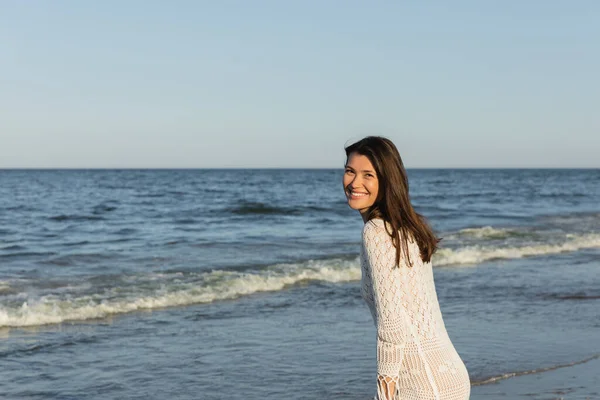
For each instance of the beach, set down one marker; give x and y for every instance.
(214, 284)
(579, 381)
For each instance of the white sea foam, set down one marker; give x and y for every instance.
(483, 232)
(204, 288)
(478, 254)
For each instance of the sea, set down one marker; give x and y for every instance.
(244, 283)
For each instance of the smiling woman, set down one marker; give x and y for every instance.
(415, 358)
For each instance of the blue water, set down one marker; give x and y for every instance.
(214, 284)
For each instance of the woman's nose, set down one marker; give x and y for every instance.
(356, 181)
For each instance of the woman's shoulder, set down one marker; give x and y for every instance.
(374, 224)
(374, 227)
(378, 227)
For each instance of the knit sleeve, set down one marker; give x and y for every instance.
(387, 295)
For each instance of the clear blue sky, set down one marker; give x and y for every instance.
(288, 83)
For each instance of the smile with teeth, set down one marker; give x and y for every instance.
(357, 194)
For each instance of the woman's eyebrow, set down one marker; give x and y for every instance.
(364, 170)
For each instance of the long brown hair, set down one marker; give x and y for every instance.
(393, 201)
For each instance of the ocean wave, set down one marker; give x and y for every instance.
(103, 208)
(77, 259)
(126, 231)
(13, 247)
(261, 209)
(173, 290)
(485, 232)
(574, 296)
(106, 296)
(28, 254)
(258, 208)
(63, 217)
(78, 243)
(150, 195)
(477, 254)
(5, 288)
(48, 347)
(185, 221)
(562, 195)
(575, 218)
(492, 233)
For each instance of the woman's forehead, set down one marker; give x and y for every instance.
(359, 162)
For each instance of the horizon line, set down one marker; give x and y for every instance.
(259, 168)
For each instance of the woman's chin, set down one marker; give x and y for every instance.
(357, 205)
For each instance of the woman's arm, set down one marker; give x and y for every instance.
(388, 296)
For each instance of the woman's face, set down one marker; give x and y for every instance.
(361, 184)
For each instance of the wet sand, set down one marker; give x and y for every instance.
(577, 382)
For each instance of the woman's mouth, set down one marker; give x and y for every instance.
(357, 195)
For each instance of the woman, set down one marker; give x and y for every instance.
(415, 357)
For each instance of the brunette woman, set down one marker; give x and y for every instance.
(415, 357)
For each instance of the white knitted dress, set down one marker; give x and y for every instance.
(413, 347)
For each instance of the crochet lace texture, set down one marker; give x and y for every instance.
(415, 357)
